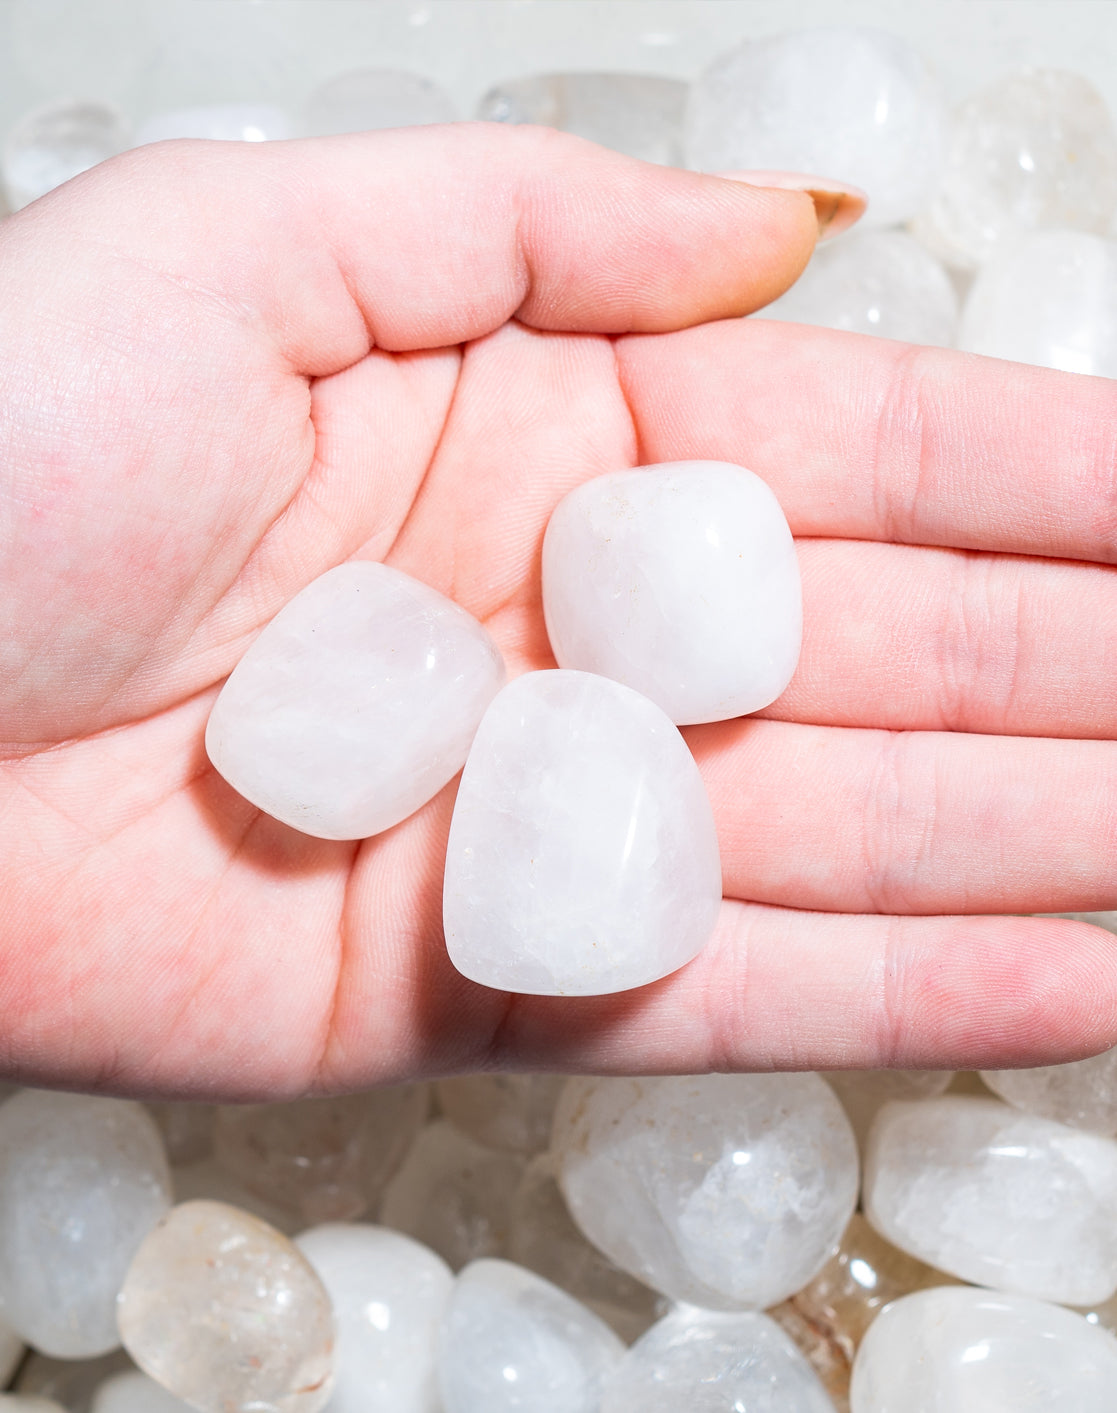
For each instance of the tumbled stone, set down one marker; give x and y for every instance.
(638, 114)
(363, 100)
(582, 856)
(226, 1313)
(513, 1343)
(862, 1093)
(855, 105)
(508, 1111)
(82, 1181)
(54, 143)
(956, 1350)
(679, 580)
(1082, 1093)
(225, 122)
(133, 1392)
(356, 704)
(388, 1294)
(725, 1191)
(996, 1197)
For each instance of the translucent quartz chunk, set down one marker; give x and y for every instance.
(133, 1392)
(364, 99)
(187, 1130)
(508, 1111)
(356, 704)
(955, 1350)
(704, 1361)
(874, 282)
(638, 114)
(388, 1295)
(996, 1197)
(1082, 1093)
(726, 1191)
(453, 1195)
(512, 1341)
(71, 1382)
(224, 122)
(679, 580)
(322, 1159)
(544, 1238)
(226, 1313)
(1034, 150)
(1048, 298)
(54, 143)
(855, 105)
(863, 1092)
(82, 1181)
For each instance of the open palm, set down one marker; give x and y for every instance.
(227, 369)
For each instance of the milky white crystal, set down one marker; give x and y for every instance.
(223, 122)
(356, 703)
(863, 1092)
(512, 1342)
(227, 1314)
(52, 144)
(82, 1181)
(134, 1392)
(365, 99)
(510, 1111)
(956, 1350)
(706, 1361)
(1082, 1093)
(388, 1294)
(997, 1197)
(679, 580)
(854, 105)
(582, 856)
(725, 1191)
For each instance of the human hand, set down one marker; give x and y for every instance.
(226, 370)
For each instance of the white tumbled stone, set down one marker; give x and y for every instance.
(228, 122)
(54, 143)
(356, 704)
(724, 1191)
(956, 1350)
(82, 1182)
(679, 580)
(512, 1342)
(508, 1111)
(388, 1295)
(134, 1392)
(996, 1196)
(582, 856)
(707, 1361)
(1082, 1093)
(854, 105)
(362, 100)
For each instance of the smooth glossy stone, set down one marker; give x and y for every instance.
(453, 1195)
(226, 1313)
(854, 105)
(133, 1392)
(955, 1350)
(82, 1181)
(1034, 150)
(512, 1342)
(725, 1191)
(388, 1294)
(1082, 1094)
(862, 1093)
(1048, 298)
(366, 99)
(874, 282)
(679, 580)
(356, 704)
(187, 1130)
(227, 122)
(706, 1361)
(638, 114)
(513, 1112)
(996, 1197)
(54, 143)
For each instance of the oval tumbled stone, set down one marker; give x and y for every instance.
(356, 704)
(679, 580)
(582, 856)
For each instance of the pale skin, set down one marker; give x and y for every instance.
(227, 368)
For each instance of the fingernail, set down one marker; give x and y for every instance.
(837, 204)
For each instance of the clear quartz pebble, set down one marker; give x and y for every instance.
(1048, 298)
(874, 282)
(388, 1294)
(854, 105)
(997, 1197)
(82, 1181)
(679, 580)
(707, 1361)
(509, 1111)
(1034, 150)
(1082, 1093)
(512, 1342)
(221, 122)
(51, 144)
(638, 114)
(321, 1159)
(362, 100)
(725, 1191)
(862, 1093)
(356, 704)
(956, 1350)
(582, 856)
(227, 1314)
(134, 1392)
(453, 1195)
